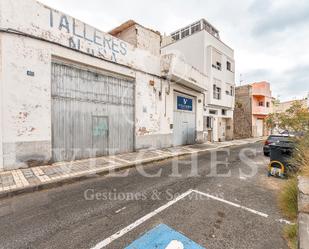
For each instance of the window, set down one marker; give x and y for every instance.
(185, 32)
(267, 104)
(176, 36)
(209, 123)
(232, 90)
(218, 65)
(216, 59)
(223, 112)
(214, 112)
(261, 103)
(216, 92)
(229, 66)
(195, 27)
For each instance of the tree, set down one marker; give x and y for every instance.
(295, 119)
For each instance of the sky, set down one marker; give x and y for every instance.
(270, 38)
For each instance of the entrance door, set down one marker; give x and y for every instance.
(184, 119)
(259, 127)
(185, 133)
(100, 129)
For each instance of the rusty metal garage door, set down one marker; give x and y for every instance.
(92, 113)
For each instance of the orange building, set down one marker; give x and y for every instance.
(253, 103)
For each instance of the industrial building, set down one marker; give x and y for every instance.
(71, 91)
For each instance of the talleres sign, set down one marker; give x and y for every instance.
(101, 44)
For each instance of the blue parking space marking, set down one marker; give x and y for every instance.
(163, 237)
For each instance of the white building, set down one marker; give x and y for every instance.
(199, 44)
(70, 91)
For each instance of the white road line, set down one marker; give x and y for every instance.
(231, 203)
(119, 210)
(138, 222)
(285, 221)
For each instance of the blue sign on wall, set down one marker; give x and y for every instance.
(184, 103)
(163, 237)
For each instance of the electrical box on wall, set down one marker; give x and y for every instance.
(30, 73)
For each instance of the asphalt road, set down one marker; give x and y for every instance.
(239, 211)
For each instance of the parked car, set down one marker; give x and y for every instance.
(273, 139)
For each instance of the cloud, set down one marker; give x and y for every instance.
(290, 84)
(279, 19)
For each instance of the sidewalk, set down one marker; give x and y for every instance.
(35, 178)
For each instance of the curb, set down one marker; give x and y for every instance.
(100, 172)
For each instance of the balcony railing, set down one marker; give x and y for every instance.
(176, 69)
(261, 92)
(261, 110)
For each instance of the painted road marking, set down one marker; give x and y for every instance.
(138, 222)
(175, 244)
(231, 203)
(119, 210)
(130, 227)
(163, 237)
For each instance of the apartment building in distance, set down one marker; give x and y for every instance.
(253, 103)
(280, 107)
(200, 45)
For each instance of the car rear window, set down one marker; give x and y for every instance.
(278, 138)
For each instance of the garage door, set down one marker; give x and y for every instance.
(184, 119)
(92, 113)
(259, 127)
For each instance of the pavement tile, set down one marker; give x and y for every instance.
(10, 180)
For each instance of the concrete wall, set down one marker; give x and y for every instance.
(25, 79)
(153, 113)
(1, 105)
(303, 212)
(243, 112)
(141, 37)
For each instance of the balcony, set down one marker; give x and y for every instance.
(261, 110)
(176, 69)
(265, 92)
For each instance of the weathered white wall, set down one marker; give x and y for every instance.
(52, 25)
(148, 40)
(26, 99)
(190, 49)
(1, 105)
(197, 50)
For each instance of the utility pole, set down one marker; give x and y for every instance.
(240, 79)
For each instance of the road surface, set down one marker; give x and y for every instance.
(229, 210)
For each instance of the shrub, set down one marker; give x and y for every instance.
(300, 159)
(290, 234)
(288, 198)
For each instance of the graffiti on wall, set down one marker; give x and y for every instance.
(100, 44)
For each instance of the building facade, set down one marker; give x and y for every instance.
(199, 44)
(280, 107)
(71, 91)
(253, 103)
